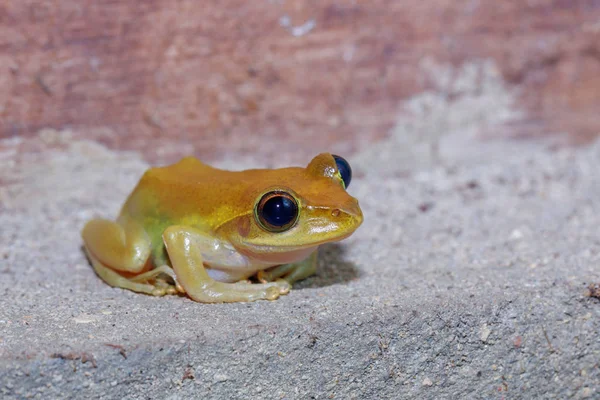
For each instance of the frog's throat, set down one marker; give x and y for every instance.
(275, 256)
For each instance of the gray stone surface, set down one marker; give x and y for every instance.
(467, 280)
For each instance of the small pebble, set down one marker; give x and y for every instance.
(485, 333)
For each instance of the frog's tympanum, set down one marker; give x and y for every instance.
(190, 228)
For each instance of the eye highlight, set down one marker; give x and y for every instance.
(276, 211)
(344, 168)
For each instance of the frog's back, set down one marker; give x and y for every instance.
(192, 193)
(173, 192)
(188, 170)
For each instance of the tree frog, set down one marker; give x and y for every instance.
(194, 229)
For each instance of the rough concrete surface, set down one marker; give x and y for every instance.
(467, 279)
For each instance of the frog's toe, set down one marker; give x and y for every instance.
(171, 290)
(272, 293)
(168, 288)
(159, 291)
(283, 285)
(179, 288)
(263, 291)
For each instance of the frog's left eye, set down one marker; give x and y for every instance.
(344, 168)
(277, 211)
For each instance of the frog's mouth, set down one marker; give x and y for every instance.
(283, 254)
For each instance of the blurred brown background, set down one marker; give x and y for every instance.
(210, 77)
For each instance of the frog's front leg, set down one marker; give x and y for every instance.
(184, 245)
(293, 272)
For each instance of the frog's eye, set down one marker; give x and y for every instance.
(344, 168)
(276, 211)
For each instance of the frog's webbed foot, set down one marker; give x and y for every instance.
(290, 272)
(165, 286)
(158, 275)
(183, 246)
(113, 278)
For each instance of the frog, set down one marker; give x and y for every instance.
(220, 236)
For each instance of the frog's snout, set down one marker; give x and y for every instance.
(351, 210)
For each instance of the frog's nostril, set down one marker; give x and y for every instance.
(352, 208)
(335, 213)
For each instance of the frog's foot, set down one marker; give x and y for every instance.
(283, 285)
(162, 284)
(290, 272)
(184, 246)
(157, 275)
(114, 279)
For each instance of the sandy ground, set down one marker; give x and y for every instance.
(467, 280)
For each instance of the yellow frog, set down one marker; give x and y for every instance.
(190, 228)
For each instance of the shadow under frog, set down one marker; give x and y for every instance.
(332, 269)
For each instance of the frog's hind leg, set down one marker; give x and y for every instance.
(124, 247)
(114, 279)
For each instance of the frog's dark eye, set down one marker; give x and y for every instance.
(277, 211)
(344, 167)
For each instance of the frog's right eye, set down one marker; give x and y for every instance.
(344, 169)
(276, 211)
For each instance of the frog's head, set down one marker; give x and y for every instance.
(291, 211)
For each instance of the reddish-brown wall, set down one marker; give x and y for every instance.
(226, 75)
